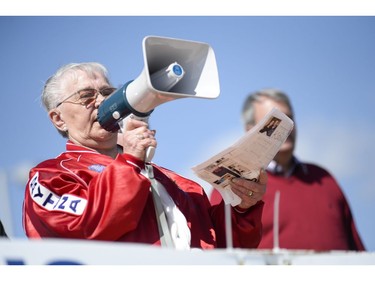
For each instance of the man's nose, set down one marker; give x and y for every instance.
(99, 99)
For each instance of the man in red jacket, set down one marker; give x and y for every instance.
(95, 191)
(313, 213)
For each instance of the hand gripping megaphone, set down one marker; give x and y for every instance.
(173, 69)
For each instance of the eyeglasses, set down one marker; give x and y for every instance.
(87, 97)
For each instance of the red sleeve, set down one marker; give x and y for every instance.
(246, 227)
(215, 197)
(73, 206)
(355, 241)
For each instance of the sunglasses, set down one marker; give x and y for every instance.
(87, 97)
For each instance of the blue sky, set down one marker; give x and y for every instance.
(325, 64)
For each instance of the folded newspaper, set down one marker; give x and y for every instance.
(251, 153)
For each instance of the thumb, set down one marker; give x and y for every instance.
(263, 177)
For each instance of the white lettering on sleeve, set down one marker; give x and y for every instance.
(47, 199)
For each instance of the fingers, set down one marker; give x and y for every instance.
(145, 135)
(263, 177)
(139, 129)
(247, 190)
(136, 138)
(132, 124)
(250, 191)
(137, 134)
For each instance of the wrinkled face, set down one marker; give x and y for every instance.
(264, 106)
(80, 120)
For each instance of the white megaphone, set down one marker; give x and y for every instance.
(173, 69)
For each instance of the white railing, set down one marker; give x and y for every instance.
(64, 251)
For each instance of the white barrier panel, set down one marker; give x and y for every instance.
(80, 252)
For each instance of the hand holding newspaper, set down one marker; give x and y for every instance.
(251, 153)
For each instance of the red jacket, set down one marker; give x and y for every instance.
(82, 194)
(313, 212)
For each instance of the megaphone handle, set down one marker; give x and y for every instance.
(150, 152)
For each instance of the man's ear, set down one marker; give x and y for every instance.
(57, 120)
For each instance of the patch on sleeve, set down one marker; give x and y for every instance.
(97, 168)
(47, 199)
